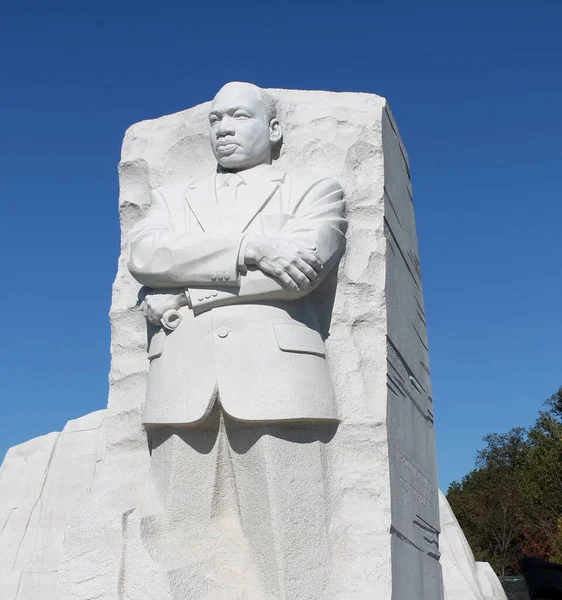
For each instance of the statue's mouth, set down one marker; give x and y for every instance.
(227, 147)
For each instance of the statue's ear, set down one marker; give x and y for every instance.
(275, 131)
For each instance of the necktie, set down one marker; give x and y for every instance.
(227, 196)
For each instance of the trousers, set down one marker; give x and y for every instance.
(245, 508)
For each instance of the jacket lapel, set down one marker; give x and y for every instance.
(202, 200)
(262, 189)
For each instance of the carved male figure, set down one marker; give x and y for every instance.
(246, 245)
(244, 375)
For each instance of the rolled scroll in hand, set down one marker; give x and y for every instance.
(171, 319)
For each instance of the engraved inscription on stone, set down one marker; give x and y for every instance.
(414, 482)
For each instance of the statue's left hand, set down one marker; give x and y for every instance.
(155, 304)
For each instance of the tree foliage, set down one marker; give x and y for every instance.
(510, 505)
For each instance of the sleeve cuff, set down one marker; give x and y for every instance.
(242, 255)
(188, 296)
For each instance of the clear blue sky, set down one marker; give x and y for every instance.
(476, 89)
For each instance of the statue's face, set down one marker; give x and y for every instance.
(241, 137)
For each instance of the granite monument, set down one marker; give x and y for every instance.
(269, 429)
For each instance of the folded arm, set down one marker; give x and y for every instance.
(318, 221)
(161, 257)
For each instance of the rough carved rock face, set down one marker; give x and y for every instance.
(44, 480)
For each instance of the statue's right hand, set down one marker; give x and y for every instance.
(156, 304)
(295, 265)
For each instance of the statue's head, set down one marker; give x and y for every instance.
(244, 126)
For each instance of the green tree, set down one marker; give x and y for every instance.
(541, 483)
(486, 502)
(510, 505)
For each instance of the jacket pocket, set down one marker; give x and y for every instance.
(156, 345)
(292, 337)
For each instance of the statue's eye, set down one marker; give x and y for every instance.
(240, 114)
(213, 119)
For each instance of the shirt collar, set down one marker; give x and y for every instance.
(247, 176)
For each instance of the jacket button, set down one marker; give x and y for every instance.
(222, 332)
(208, 295)
(213, 276)
(215, 293)
(200, 297)
(227, 276)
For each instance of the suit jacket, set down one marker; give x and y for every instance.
(246, 335)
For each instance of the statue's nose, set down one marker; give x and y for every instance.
(226, 127)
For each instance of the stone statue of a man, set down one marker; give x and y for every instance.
(239, 404)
